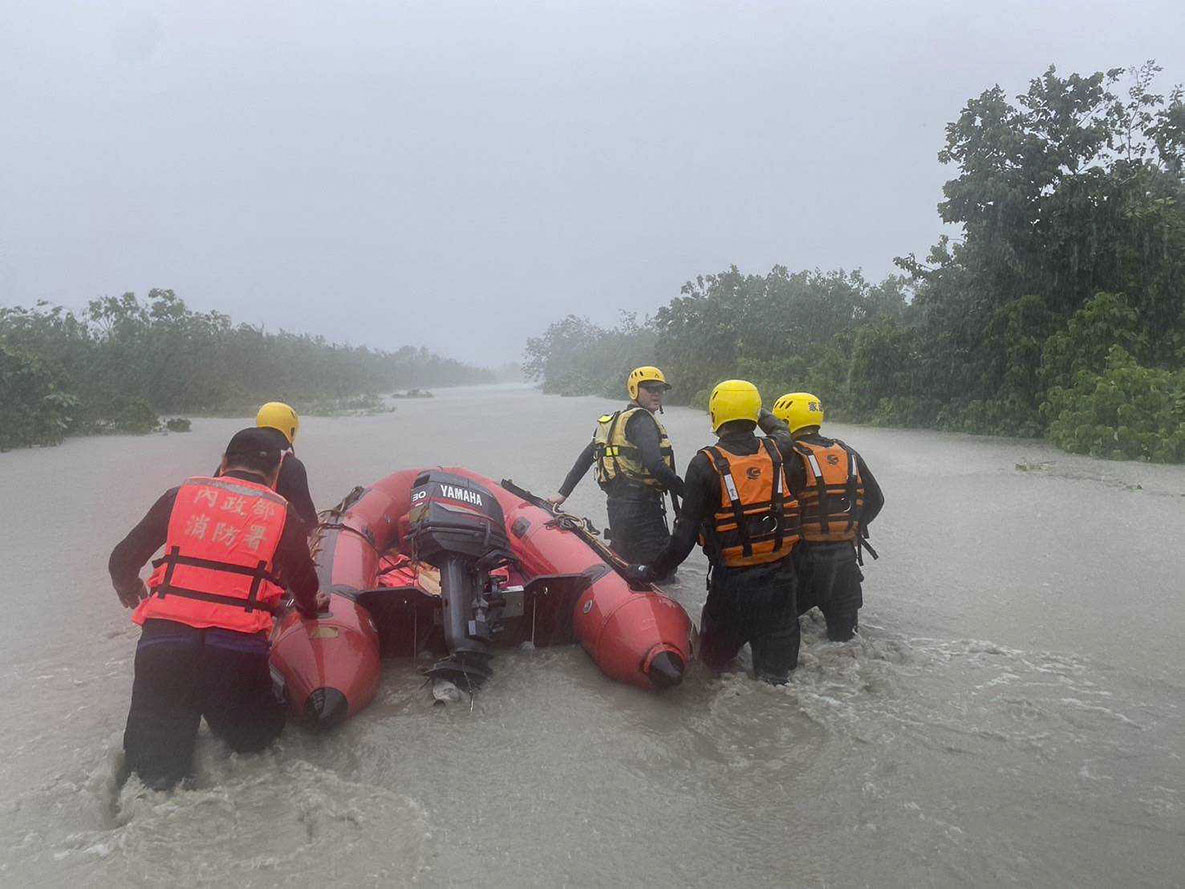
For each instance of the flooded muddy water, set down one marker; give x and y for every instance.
(1010, 715)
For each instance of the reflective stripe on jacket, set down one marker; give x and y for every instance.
(618, 458)
(758, 521)
(217, 570)
(833, 494)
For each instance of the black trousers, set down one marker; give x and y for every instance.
(183, 674)
(756, 605)
(829, 577)
(638, 528)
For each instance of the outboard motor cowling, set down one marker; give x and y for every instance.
(458, 526)
(453, 515)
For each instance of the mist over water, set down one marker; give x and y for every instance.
(1011, 714)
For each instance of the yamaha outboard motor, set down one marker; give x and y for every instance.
(457, 526)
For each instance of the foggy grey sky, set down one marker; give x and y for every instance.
(459, 174)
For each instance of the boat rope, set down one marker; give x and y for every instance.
(365, 535)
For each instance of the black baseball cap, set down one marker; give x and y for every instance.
(255, 444)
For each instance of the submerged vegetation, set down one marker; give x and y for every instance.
(121, 362)
(1059, 311)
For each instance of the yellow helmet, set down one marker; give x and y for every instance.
(277, 415)
(645, 374)
(733, 400)
(799, 410)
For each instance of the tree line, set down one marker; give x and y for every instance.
(123, 361)
(1059, 311)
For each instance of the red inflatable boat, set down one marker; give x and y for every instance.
(445, 560)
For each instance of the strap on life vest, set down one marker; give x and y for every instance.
(720, 462)
(611, 448)
(852, 484)
(820, 488)
(259, 574)
(863, 544)
(778, 500)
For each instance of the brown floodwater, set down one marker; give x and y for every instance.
(1010, 715)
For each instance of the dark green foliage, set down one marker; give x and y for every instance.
(1073, 211)
(125, 413)
(1106, 320)
(575, 357)
(884, 371)
(33, 407)
(177, 424)
(1124, 411)
(1066, 285)
(123, 360)
(779, 328)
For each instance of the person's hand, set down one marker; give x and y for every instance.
(132, 597)
(320, 605)
(556, 500)
(768, 422)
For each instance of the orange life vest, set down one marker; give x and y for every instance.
(217, 569)
(759, 517)
(833, 495)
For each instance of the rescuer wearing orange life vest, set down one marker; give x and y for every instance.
(839, 499)
(232, 545)
(738, 502)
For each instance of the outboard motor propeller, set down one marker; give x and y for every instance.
(458, 526)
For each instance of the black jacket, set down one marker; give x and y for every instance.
(642, 431)
(293, 483)
(292, 561)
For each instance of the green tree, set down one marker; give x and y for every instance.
(1066, 281)
(33, 407)
(117, 365)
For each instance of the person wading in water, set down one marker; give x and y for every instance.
(232, 546)
(635, 466)
(839, 498)
(739, 504)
